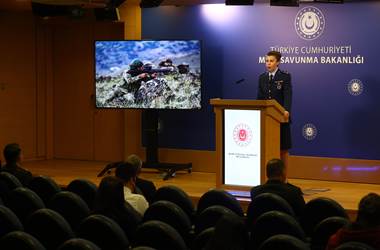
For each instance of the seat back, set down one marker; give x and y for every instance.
(273, 223)
(18, 240)
(210, 216)
(171, 214)
(10, 180)
(319, 209)
(8, 221)
(283, 242)
(177, 196)
(264, 203)
(49, 227)
(143, 248)
(23, 202)
(160, 236)
(230, 233)
(325, 229)
(78, 244)
(219, 197)
(203, 238)
(71, 207)
(352, 245)
(85, 189)
(45, 187)
(104, 232)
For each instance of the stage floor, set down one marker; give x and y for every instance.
(197, 183)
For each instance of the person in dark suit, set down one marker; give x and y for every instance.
(13, 157)
(276, 84)
(147, 188)
(276, 184)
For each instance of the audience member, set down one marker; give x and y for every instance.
(147, 187)
(128, 173)
(13, 158)
(365, 229)
(110, 202)
(277, 184)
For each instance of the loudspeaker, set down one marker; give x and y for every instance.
(239, 2)
(107, 14)
(284, 2)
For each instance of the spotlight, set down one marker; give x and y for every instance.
(239, 2)
(150, 3)
(284, 2)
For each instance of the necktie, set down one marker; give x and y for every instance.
(270, 78)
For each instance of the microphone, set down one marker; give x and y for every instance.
(240, 81)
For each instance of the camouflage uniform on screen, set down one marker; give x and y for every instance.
(132, 79)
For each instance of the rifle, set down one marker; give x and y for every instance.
(150, 70)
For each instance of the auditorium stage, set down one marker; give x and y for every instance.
(197, 183)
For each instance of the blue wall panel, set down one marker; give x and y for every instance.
(234, 37)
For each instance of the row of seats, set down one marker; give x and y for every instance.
(171, 222)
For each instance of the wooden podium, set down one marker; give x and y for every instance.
(269, 115)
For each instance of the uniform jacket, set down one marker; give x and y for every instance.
(279, 89)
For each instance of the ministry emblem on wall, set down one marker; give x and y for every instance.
(309, 23)
(355, 87)
(309, 131)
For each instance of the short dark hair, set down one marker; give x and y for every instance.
(275, 168)
(126, 171)
(12, 152)
(369, 211)
(275, 54)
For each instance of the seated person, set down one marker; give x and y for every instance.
(128, 174)
(366, 228)
(277, 184)
(146, 187)
(110, 201)
(13, 157)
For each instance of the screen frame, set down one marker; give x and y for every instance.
(148, 40)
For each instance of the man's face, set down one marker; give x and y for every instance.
(271, 63)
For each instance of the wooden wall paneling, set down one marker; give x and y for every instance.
(73, 104)
(108, 123)
(18, 82)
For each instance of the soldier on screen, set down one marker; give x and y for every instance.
(135, 76)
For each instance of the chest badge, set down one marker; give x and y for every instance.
(279, 84)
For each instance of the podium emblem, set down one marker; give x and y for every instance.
(309, 131)
(309, 23)
(242, 135)
(355, 87)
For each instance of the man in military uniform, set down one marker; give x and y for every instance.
(134, 76)
(276, 84)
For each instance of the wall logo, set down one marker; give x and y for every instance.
(242, 135)
(355, 87)
(309, 23)
(309, 131)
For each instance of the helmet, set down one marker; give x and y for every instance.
(136, 64)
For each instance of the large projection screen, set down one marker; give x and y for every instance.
(242, 147)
